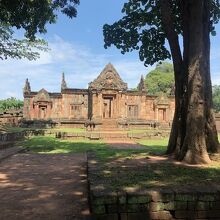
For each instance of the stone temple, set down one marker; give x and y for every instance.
(107, 103)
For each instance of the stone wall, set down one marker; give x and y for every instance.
(198, 203)
(142, 203)
(110, 135)
(8, 139)
(11, 117)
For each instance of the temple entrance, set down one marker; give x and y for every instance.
(42, 112)
(107, 107)
(162, 114)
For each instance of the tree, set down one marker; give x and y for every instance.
(161, 79)
(15, 48)
(146, 26)
(32, 17)
(10, 103)
(216, 98)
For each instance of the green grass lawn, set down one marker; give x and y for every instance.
(113, 169)
(155, 146)
(50, 145)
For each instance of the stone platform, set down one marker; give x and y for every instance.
(116, 135)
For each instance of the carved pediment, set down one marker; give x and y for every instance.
(108, 79)
(162, 100)
(42, 96)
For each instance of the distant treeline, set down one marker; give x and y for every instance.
(10, 103)
(161, 80)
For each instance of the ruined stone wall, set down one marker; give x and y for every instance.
(74, 106)
(11, 117)
(145, 105)
(156, 204)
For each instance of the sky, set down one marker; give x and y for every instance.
(77, 49)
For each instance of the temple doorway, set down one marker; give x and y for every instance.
(107, 107)
(162, 114)
(42, 112)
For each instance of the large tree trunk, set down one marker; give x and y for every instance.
(193, 131)
(201, 134)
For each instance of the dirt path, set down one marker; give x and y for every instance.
(50, 187)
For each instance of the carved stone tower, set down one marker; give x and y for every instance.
(27, 87)
(142, 86)
(63, 83)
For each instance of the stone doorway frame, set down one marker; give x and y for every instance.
(108, 106)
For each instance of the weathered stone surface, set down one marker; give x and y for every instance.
(122, 197)
(185, 214)
(114, 208)
(134, 198)
(98, 209)
(105, 217)
(158, 195)
(139, 216)
(156, 206)
(207, 197)
(133, 208)
(160, 215)
(180, 205)
(99, 197)
(123, 216)
(214, 205)
(198, 205)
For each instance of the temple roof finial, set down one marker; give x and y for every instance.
(27, 87)
(142, 86)
(63, 83)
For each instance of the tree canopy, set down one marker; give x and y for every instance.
(161, 79)
(142, 27)
(216, 98)
(10, 103)
(153, 28)
(32, 17)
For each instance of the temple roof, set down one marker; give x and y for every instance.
(162, 99)
(108, 79)
(42, 95)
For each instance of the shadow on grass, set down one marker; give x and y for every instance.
(51, 145)
(157, 175)
(47, 144)
(121, 175)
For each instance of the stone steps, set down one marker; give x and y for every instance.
(109, 124)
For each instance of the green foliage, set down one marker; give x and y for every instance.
(216, 98)
(141, 28)
(32, 17)
(15, 48)
(48, 144)
(160, 80)
(10, 103)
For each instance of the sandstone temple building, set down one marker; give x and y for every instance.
(106, 103)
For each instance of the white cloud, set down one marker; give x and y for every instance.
(80, 64)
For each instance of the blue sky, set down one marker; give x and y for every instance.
(77, 49)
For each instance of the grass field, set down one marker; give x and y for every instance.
(114, 165)
(50, 145)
